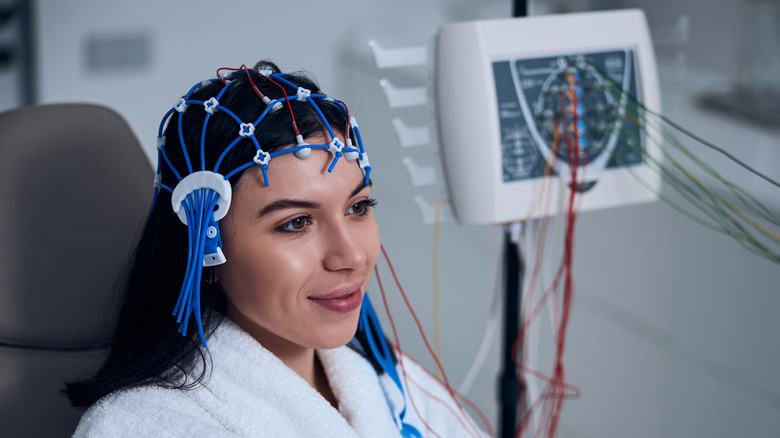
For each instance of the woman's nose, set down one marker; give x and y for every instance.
(344, 248)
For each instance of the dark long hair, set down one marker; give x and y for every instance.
(146, 347)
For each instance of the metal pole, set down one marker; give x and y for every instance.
(511, 387)
(520, 8)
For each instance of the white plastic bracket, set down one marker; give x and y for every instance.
(403, 97)
(428, 211)
(420, 175)
(400, 57)
(335, 146)
(211, 105)
(203, 179)
(411, 136)
(262, 157)
(181, 105)
(214, 258)
(303, 94)
(246, 130)
(364, 161)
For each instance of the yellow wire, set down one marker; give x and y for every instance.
(705, 188)
(436, 289)
(437, 336)
(547, 167)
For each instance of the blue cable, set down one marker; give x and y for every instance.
(268, 108)
(333, 163)
(192, 90)
(192, 260)
(280, 78)
(322, 116)
(359, 139)
(206, 215)
(275, 154)
(369, 324)
(224, 153)
(203, 142)
(178, 310)
(170, 165)
(162, 122)
(239, 169)
(181, 141)
(230, 113)
(362, 151)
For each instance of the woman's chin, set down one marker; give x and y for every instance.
(336, 338)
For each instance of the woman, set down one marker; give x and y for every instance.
(261, 241)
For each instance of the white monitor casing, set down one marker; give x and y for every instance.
(469, 124)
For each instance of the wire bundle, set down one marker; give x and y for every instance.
(545, 407)
(199, 207)
(719, 203)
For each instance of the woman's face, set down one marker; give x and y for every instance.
(299, 252)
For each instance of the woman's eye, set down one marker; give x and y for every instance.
(296, 225)
(361, 208)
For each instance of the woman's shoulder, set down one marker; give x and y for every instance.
(148, 410)
(419, 380)
(428, 397)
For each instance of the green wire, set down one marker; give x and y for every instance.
(719, 212)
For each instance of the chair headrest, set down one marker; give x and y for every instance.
(75, 185)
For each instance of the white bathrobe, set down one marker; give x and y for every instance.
(251, 393)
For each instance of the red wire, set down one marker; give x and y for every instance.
(398, 345)
(559, 373)
(289, 104)
(554, 402)
(460, 397)
(552, 398)
(254, 87)
(530, 316)
(219, 76)
(449, 408)
(247, 70)
(445, 382)
(419, 326)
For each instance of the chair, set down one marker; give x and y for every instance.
(75, 186)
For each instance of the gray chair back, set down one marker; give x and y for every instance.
(75, 186)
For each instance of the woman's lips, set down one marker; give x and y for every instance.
(340, 302)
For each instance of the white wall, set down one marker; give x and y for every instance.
(672, 330)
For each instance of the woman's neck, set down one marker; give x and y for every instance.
(302, 360)
(305, 363)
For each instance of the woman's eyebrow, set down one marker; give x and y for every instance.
(283, 204)
(360, 187)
